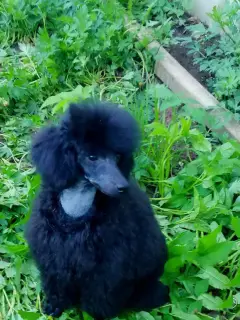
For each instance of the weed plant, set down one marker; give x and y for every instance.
(216, 50)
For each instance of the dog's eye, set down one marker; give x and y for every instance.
(92, 158)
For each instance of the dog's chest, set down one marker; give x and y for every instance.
(77, 200)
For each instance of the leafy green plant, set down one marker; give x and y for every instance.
(50, 47)
(201, 204)
(216, 50)
(160, 15)
(60, 48)
(160, 10)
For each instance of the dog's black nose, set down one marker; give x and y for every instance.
(122, 189)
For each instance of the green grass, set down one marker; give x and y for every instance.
(54, 52)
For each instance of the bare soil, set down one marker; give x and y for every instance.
(182, 55)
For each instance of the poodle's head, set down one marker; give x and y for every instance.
(92, 142)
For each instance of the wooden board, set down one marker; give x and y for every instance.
(181, 82)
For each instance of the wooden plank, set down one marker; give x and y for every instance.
(201, 8)
(181, 82)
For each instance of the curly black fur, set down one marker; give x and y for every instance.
(110, 259)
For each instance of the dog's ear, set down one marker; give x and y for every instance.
(126, 164)
(54, 157)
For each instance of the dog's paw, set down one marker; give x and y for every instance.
(52, 311)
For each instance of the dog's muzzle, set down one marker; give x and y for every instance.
(107, 177)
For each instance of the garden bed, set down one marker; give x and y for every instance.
(183, 83)
(210, 55)
(182, 55)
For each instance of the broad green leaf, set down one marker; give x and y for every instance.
(196, 201)
(209, 240)
(16, 248)
(129, 75)
(29, 315)
(236, 299)
(214, 277)
(165, 309)
(218, 253)
(3, 53)
(168, 317)
(201, 287)
(207, 183)
(177, 201)
(236, 226)
(160, 131)
(54, 99)
(195, 307)
(236, 208)
(198, 29)
(184, 241)
(183, 315)
(2, 282)
(69, 96)
(10, 272)
(210, 302)
(228, 303)
(234, 187)
(186, 125)
(227, 150)
(174, 264)
(18, 265)
(189, 283)
(26, 49)
(174, 130)
(62, 105)
(143, 315)
(235, 282)
(205, 317)
(191, 169)
(199, 142)
(172, 102)
(161, 92)
(17, 317)
(4, 264)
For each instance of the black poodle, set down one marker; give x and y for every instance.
(92, 231)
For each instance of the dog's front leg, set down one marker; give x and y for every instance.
(54, 303)
(50, 308)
